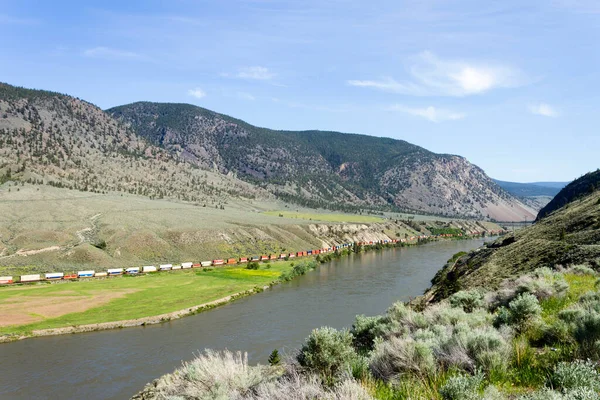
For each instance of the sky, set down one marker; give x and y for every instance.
(513, 86)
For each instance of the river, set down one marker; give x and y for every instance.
(116, 364)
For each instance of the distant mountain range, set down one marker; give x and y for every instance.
(193, 154)
(532, 189)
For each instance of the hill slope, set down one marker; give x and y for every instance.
(66, 142)
(319, 168)
(568, 236)
(574, 190)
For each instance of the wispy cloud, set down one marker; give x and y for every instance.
(544, 109)
(111, 53)
(256, 73)
(432, 76)
(197, 93)
(431, 113)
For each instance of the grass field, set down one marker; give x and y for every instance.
(325, 217)
(126, 297)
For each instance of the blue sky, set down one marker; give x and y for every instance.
(511, 85)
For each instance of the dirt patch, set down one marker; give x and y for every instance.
(32, 252)
(19, 310)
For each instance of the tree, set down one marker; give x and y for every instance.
(274, 358)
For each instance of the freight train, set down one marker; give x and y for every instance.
(55, 276)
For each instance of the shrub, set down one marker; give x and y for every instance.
(213, 374)
(327, 352)
(586, 332)
(581, 270)
(520, 312)
(525, 307)
(393, 358)
(468, 300)
(462, 387)
(365, 330)
(576, 374)
(252, 265)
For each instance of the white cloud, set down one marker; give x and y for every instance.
(256, 73)
(245, 96)
(543, 109)
(431, 113)
(432, 76)
(197, 93)
(110, 53)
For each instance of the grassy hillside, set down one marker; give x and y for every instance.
(568, 236)
(324, 169)
(574, 190)
(43, 228)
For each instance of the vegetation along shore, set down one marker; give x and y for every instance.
(131, 300)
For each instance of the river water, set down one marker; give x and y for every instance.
(116, 364)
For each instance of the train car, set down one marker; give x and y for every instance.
(243, 260)
(231, 261)
(86, 274)
(308, 253)
(31, 278)
(299, 254)
(187, 265)
(218, 262)
(148, 268)
(255, 259)
(166, 267)
(70, 276)
(264, 258)
(54, 275)
(5, 280)
(176, 266)
(101, 274)
(134, 270)
(114, 271)
(206, 263)
(282, 256)
(196, 265)
(291, 255)
(273, 257)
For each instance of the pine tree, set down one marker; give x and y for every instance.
(274, 358)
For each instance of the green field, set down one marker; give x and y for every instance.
(144, 295)
(325, 217)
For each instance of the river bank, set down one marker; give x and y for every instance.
(104, 316)
(68, 366)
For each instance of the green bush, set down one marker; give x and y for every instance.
(468, 300)
(462, 387)
(521, 311)
(328, 352)
(365, 330)
(252, 265)
(576, 374)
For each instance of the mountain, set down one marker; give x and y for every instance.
(51, 138)
(324, 169)
(574, 190)
(568, 236)
(532, 189)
